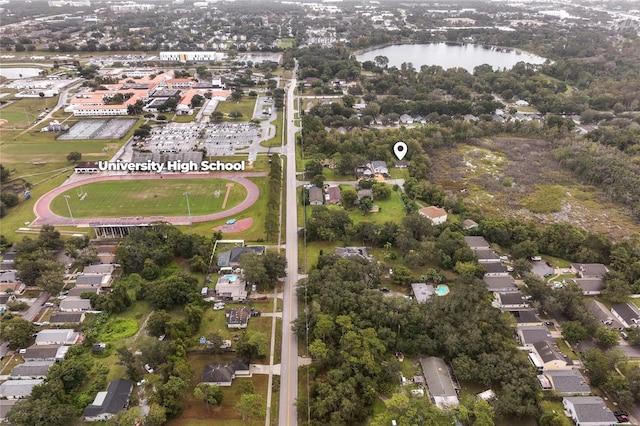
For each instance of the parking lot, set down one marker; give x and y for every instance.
(218, 139)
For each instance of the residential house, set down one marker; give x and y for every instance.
(231, 287)
(110, 402)
(485, 255)
(494, 268)
(568, 382)
(627, 313)
(589, 270)
(422, 291)
(588, 411)
(442, 389)
(31, 370)
(589, 286)
(17, 389)
(353, 252)
(511, 299)
(100, 268)
(77, 291)
(379, 168)
(603, 314)
(406, 119)
(552, 358)
(468, 224)
(316, 197)
(94, 280)
(232, 257)
(5, 407)
(533, 334)
(401, 164)
(476, 242)
(223, 374)
(8, 277)
(45, 353)
(525, 317)
(67, 318)
(364, 193)
(238, 317)
(436, 215)
(333, 195)
(75, 305)
(363, 172)
(500, 283)
(64, 336)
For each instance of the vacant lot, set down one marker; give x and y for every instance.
(149, 198)
(518, 177)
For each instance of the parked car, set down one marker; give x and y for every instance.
(384, 289)
(536, 258)
(218, 306)
(621, 416)
(148, 368)
(624, 335)
(549, 323)
(549, 264)
(504, 258)
(231, 221)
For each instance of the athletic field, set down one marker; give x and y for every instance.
(157, 197)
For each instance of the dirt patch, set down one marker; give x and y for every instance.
(239, 226)
(3, 122)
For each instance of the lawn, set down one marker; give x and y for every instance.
(391, 210)
(278, 137)
(257, 212)
(245, 106)
(148, 198)
(21, 113)
(117, 329)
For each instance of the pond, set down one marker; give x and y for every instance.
(16, 73)
(467, 56)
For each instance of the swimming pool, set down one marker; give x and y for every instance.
(442, 290)
(231, 277)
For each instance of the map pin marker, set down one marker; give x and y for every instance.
(400, 150)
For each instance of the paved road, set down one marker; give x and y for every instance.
(289, 365)
(44, 215)
(33, 310)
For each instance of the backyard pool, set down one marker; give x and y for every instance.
(231, 277)
(442, 290)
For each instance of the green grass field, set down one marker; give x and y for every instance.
(148, 198)
(22, 112)
(245, 106)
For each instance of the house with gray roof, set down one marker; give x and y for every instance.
(64, 336)
(353, 252)
(75, 305)
(8, 277)
(67, 318)
(5, 406)
(110, 402)
(100, 268)
(78, 291)
(588, 411)
(45, 353)
(476, 242)
(589, 286)
(223, 374)
(232, 257)
(589, 270)
(31, 370)
(96, 280)
(422, 291)
(231, 287)
(552, 358)
(442, 389)
(533, 334)
(511, 299)
(316, 197)
(500, 283)
(379, 167)
(238, 317)
(603, 314)
(17, 389)
(525, 316)
(627, 313)
(495, 268)
(568, 382)
(486, 255)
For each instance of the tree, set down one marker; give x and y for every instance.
(365, 205)
(275, 264)
(607, 336)
(349, 197)
(52, 279)
(574, 332)
(253, 269)
(17, 332)
(253, 345)
(312, 168)
(158, 322)
(74, 156)
(209, 393)
(555, 419)
(251, 407)
(381, 191)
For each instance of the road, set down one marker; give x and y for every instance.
(289, 368)
(31, 313)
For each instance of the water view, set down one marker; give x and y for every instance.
(16, 73)
(466, 56)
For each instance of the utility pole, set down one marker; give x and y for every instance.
(66, 199)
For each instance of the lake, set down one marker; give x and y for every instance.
(466, 56)
(16, 73)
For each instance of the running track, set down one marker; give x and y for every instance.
(44, 215)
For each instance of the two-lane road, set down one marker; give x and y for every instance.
(289, 369)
